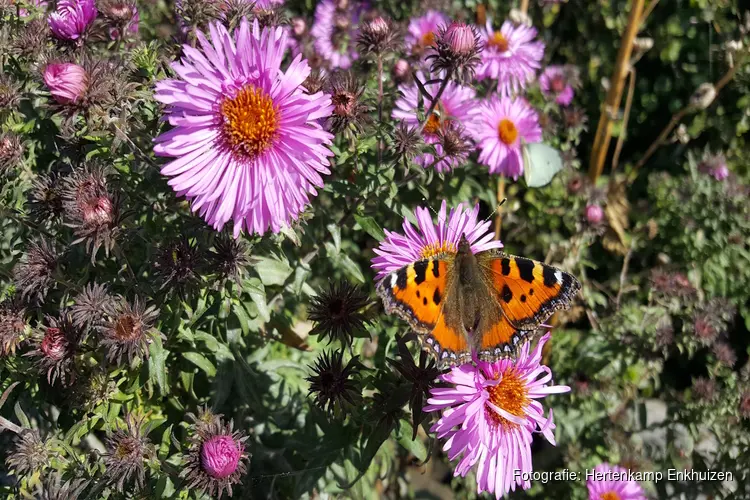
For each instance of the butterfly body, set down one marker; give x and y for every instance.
(488, 303)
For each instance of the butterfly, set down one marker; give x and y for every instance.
(489, 302)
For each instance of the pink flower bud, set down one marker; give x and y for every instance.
(54, 344)
(220, 456)
(71, 18)
(401, 69)
(720, 172)
(379, 26)
(461, 39)
(67, 82)
(299, 25)
(594, 214)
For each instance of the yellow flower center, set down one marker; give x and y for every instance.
(434, 249)
(428, 39)
(251, 121)
(510, 395)
(507, 131)
(610, 495)
(498, 42)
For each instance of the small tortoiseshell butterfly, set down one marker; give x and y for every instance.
(488, 302)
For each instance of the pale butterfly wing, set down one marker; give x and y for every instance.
(540, 164)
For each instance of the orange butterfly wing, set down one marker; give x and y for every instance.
(418, 294)
(528, 291)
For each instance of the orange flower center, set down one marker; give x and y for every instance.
(610, 495)
(428, 39)
(434, 249)
(498, 42)
(126, 328)
(251, 121)
(433, 124)
(507, 131)
(510, 395)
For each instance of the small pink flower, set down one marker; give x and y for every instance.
(71, 18)
(67, 82)
(461, 38)
(299, 26)
(594, 214)
(401, 70)
(611, 482)
(500, 127)
(554, 82)
(220, 456)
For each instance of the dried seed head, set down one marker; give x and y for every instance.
(12, 326)
(10, 93)
(31, 454)
(335, 387)
(376, 36)
(45, 198)
(128, 450)
(178, 263)
(338, 312)
(349, 110)
(89, 306)
(725, 354)
(230, 258)
(11, 152)
(315, 82)
(128, 330)
(705, 389)
(34, 275)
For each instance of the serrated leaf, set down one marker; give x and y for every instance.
(370, 226)
(201, 362)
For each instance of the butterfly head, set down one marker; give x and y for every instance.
(464, 247)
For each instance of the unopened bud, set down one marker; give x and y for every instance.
(703, 96)
(299, 25)
(460, 37)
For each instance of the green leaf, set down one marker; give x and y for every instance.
(351, 268)
(370, 226)
(415, 446)
(257, 293)
(157, 367)
(201, 362)
(335, 231)
(272, 271)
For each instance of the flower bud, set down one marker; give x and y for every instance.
(220, 456)
(461, 39)
(67, 82)
(299, 26)
(594, 214)
(54, 345)
(71, 18)
(401, 70)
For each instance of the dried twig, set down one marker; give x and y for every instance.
(623, 276)
(624, 126)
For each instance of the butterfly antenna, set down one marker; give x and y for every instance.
(502, 202)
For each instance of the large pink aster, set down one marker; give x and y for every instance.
(490, 414)
(335, 32)
(430, 238)
(71, 18)
(511, 56)
(423, 30)
(246, 137)
(611, 482)
(500, 126)
(454, 109)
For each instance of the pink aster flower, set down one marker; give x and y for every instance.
(554, 83)
(454, 109)
(335, 32)
(611, 482)
(71, 18)
(714, 165)
(423, 30)
(490, 414)
(246, 137)
(67, 82)
(430, 238)
(499, 127)
(511, 56)
(220, 456)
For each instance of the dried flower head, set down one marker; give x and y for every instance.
(230, 258)
(349, 110)
(267, 17)
(315, 82)
(31, 454)
(32, 40)
(407, 143)
(127, 331)
(422, 377)
(121, 17)
(12, 326)
(338, 312)
(335, 386)
(376, 36)
(455, 142)
(456, 51)
(725, 354)
(90, 209)
(89, 306)
(92, 390)
(195, 15)
(128, 449)
(10, 93)
(216, 458)
(11, 152)
(55, 346)
(705, 389)
(177, 264)
(671, 284)
(45, 199)
(53, 488)
(34, 275)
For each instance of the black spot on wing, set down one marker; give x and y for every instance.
(523, 298)
(548, 273)
(420, 271)
(401, 278)
(506, 294)
(436, 268)
(531, 291)
(418, 295)
(505, 266)
(525, 269)
(424, 301)
(436, 297)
